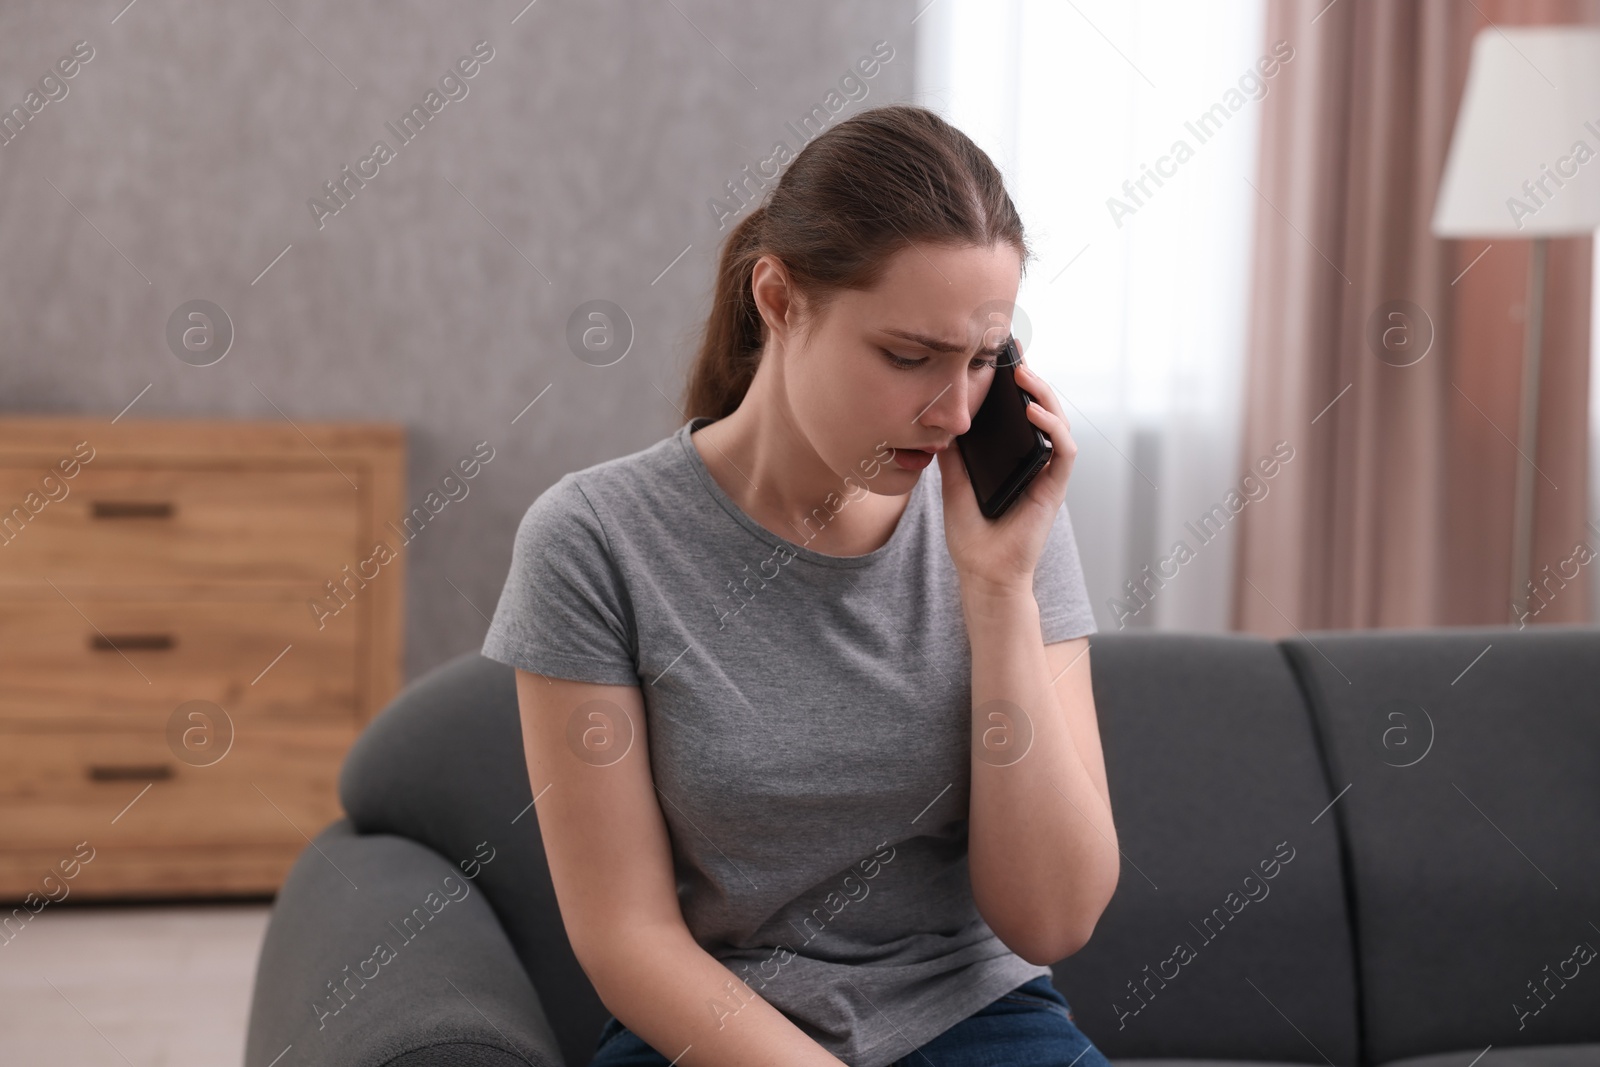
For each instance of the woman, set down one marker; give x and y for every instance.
(814, 751)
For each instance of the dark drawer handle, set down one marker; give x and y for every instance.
(122, 642)
(131, 509)
(106, 772)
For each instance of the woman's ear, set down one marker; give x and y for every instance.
(775, 297)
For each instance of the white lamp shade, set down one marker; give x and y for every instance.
(1525, 157)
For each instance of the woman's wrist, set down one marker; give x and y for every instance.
(987, 600)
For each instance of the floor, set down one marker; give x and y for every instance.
(148, 985)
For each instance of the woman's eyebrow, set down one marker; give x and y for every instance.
(934, 344)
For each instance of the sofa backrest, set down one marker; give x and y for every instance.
(1468, 761)
(1228, 936)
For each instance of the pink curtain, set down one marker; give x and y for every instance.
(1396, 510)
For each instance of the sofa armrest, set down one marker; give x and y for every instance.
(380, 952)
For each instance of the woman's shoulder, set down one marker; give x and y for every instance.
(613, 490)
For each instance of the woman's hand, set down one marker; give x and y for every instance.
(998, 556)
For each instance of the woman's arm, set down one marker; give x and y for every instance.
(1042, 848)
(610, 860)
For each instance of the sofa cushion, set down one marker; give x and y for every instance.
(1219, 797)
(1534, 1056)
(1469, 764)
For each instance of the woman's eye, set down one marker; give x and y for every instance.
(898, 361)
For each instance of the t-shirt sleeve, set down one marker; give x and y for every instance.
(564, 610)
(1064, 608)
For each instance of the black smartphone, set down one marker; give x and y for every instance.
(1003, 450)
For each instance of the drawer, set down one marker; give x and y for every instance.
(61, 671)
(59, 789)
(150, 525)
(118, 874)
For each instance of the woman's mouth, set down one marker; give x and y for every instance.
(912, 459)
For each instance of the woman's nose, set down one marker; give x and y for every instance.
(951, 411)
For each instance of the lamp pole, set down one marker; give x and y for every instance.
(1528, 432)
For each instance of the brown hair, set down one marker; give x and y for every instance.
(859, 192)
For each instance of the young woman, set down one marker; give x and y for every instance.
(812, 741)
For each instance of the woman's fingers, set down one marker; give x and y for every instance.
(1041, 391)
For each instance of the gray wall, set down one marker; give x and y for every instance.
(194, 138)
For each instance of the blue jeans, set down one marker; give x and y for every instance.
(1031, 1026)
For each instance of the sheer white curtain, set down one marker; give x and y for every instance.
(1137, 317)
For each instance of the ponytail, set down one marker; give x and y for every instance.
(734, 333)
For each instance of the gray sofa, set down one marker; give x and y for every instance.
(1346, 848)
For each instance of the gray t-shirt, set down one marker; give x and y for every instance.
(809, 722)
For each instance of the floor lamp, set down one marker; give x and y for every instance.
(1524, 162)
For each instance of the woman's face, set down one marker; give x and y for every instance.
(867, 375)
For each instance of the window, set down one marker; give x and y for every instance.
(1138, 312)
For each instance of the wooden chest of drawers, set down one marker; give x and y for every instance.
(193, 629)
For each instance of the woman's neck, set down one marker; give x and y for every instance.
(770, 470)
